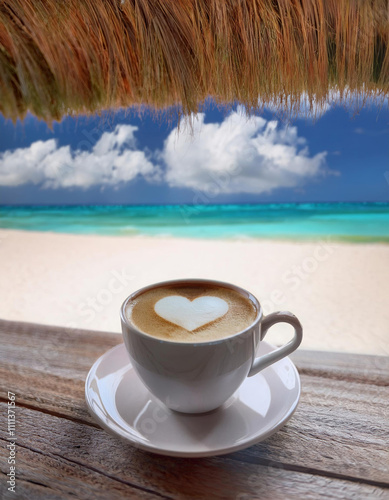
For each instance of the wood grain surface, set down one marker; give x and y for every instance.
(335, 446)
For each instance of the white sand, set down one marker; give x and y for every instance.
(340, 292)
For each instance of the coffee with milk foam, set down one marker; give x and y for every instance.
(191, 312)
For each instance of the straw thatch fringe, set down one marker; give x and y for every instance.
(73, 56)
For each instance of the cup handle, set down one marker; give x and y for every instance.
(270, 358)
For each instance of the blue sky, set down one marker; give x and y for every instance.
(121, 158)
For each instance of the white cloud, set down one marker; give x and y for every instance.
(239, 155)
(112, 160)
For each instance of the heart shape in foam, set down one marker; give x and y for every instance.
(191, 314)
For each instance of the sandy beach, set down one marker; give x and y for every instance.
(339, 291)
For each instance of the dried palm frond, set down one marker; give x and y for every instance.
(84, 56)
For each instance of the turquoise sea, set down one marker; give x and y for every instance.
(358, 222)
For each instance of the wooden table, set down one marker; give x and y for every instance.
(335, 446)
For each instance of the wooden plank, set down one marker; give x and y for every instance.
(60, 351)
(56, 455)
(50, 393)
(51, 348)
(366, 369)
(46, 366)
(340, 427)
(352, 415)
(32, 490)
(41, 475)
(343, 434)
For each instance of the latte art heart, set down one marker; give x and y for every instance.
(191, 314)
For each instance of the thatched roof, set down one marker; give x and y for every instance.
(79, 56)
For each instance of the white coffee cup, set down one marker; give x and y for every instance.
(200, 376)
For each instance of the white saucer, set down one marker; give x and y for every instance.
(122, 405)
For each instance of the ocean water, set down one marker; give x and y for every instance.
(361, 222)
